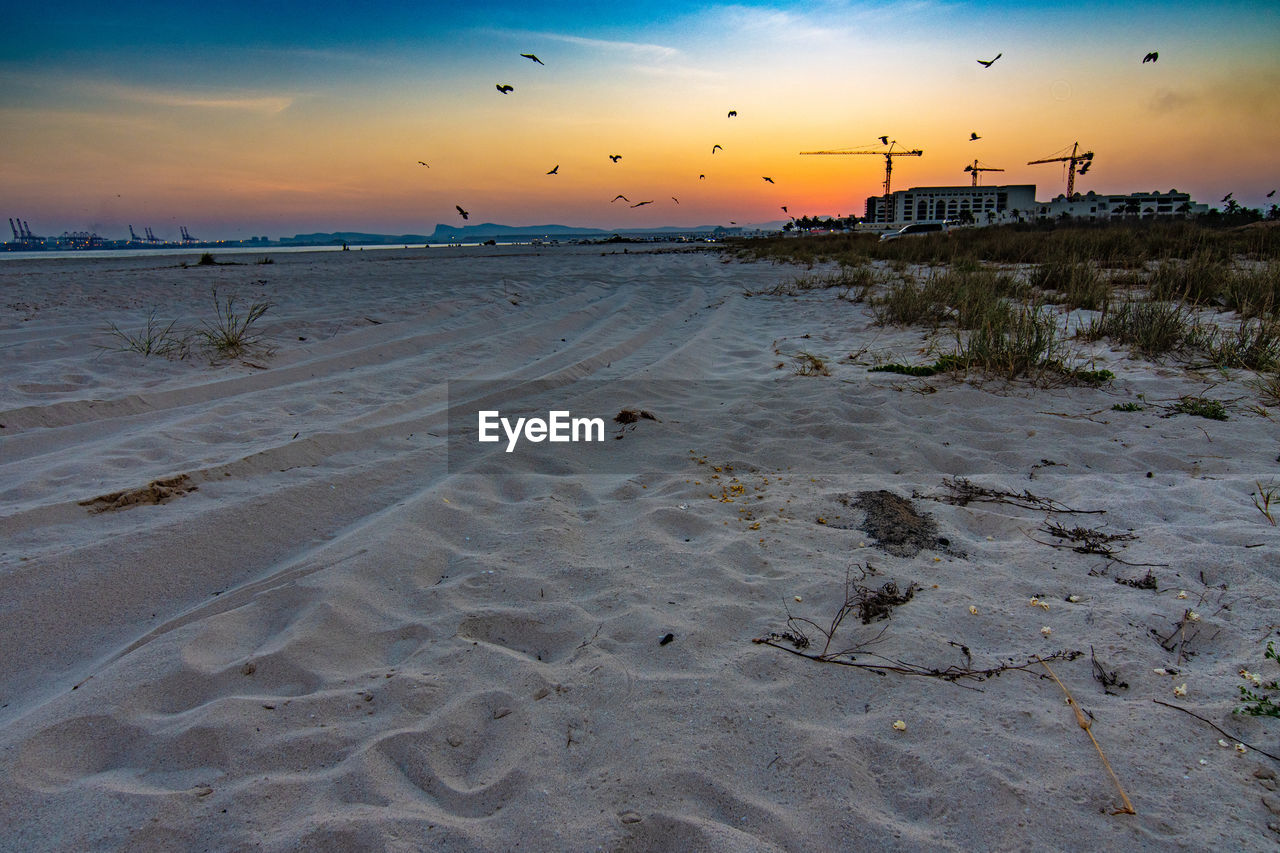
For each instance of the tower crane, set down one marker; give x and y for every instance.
(888, 166)
(975, 168)
(1073, 160)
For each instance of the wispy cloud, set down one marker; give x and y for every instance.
(633, 48)
(247, 102)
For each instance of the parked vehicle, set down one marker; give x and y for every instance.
(917, 229)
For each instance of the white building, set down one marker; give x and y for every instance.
(1102, 208)
(987, 205)
(1016, 203)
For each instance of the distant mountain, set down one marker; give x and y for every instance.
(336, 237)
(485, 230)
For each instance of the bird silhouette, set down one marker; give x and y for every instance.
(464, 214)
(702, 177)
(884, 140)
(1151, 57)
(1270, 194)
(733, 113)
(534, 58)
(676, 200)
(768, 180)
(504, 88)
(420, 163)
(620, 196)
(973, 136)
(642, 203)
(615, 157)
(554, 171)
(784, 209)
(986, 63)
(714, 147)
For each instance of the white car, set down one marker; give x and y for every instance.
(917, 229)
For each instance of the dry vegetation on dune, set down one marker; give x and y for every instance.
(1207, 296)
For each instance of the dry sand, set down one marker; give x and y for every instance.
(301, 619)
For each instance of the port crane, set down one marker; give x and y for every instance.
(186, 235)
(888, 166)
(1077, 163)
(975, 168)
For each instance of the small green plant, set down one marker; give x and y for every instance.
(1260, 696)
(1127, 407)
(207, 260)
(1264, 498)
(266, 260)
(231, 334)
(154, 338)
(1151, 328)
(1201, 407)
(808, 364)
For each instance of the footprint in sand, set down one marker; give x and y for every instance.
(468, 759)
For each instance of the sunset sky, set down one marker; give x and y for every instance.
(239, 119)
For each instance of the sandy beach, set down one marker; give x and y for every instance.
(312, 611)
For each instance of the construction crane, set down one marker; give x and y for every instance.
(975, 168)
(888, 167)
(1074, 159)
(133, 238)
(186, 235)
(17, 238)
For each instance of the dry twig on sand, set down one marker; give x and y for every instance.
(1085, 723)
(963, 492)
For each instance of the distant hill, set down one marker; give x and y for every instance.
(486, 230)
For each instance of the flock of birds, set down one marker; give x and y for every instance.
(507, 89)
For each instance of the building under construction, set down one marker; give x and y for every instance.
(1017, 203)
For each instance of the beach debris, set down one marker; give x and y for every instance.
(973, 611)
(155, 492)
(985, 63)
(899, 726)
(666, 639)
(1106, 679)
(895, 524)
(1180, 690)
(631, 416)
(534, 58)
(1046, 630)
(1074, 599)
(1087, 724)
(1182, 594)
(1036, 602)
(963, 492)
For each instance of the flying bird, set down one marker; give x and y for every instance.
(733, 113)
(464, 214)
(1270, 194)
(554, 171)
(784, 209)
(676, 200)
(714, 147)
(986, 63)
(884, 140)
(420, 163)
(534, 58)
(768, 180)
(505, 88)
(702, 177)
(615, 157)
(973, 137)
(623, 197)
(1151, 57)
(642, 203)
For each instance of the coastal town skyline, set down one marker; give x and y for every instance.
(294, 119)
